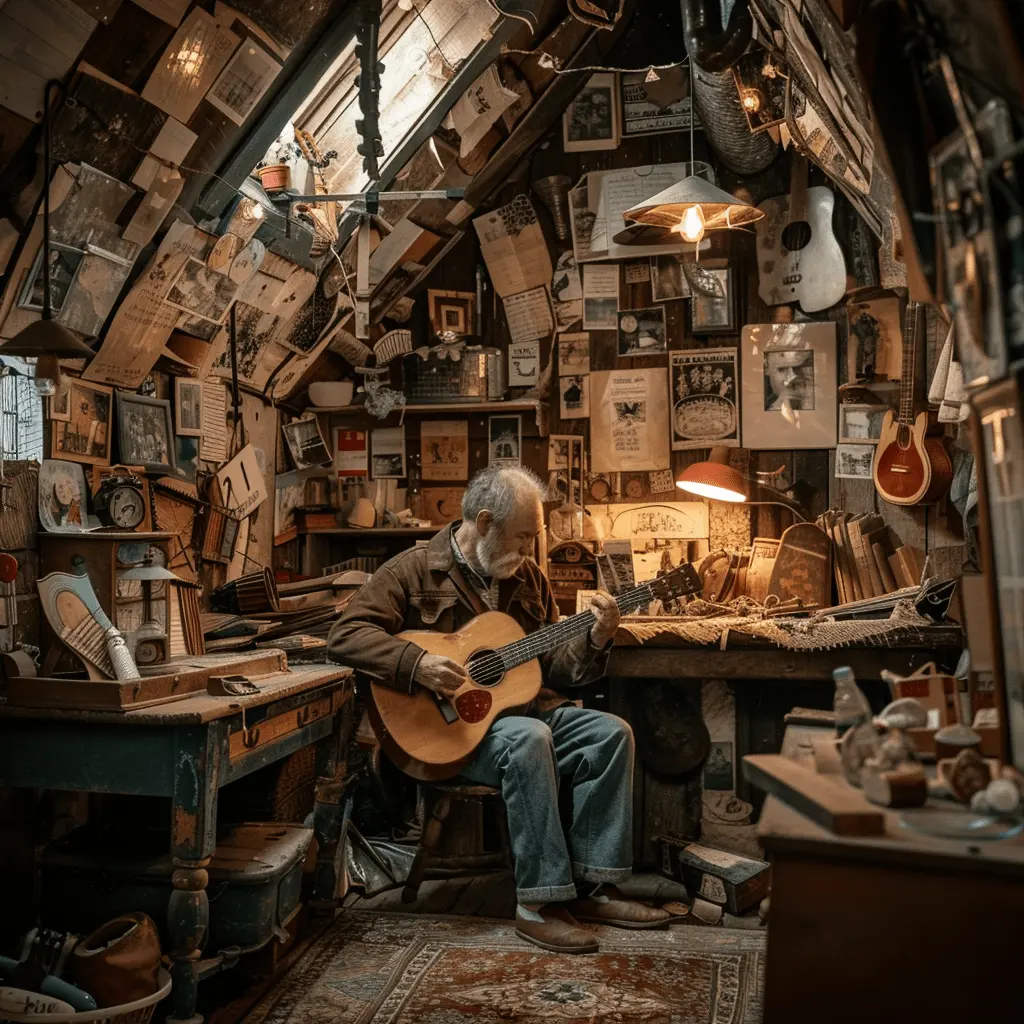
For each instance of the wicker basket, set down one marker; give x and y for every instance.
(139, 1012)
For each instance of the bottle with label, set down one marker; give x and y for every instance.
(850, 704)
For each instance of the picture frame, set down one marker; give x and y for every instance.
(86, 434)
(450, 313)
(64, 264)
(714, 314)
(997, 429)
(788, 397)
(58, 405)
(854, 461)
(668, 282)
(860, 423)
(641, 332)
(505, 440)
(145, 433)
(201, 292)
(591, 122)
(188, 407)
(243, 81)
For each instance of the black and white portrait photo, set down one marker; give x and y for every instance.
(789, 379)
(306, 443)
(64, 261)
(642, 331)
(592, 119)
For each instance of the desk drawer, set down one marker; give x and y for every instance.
(275, 726)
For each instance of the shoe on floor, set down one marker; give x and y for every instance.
(610, 906)
(559, 932)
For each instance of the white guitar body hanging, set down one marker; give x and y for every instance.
(798, 256)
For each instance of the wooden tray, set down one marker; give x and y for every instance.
(180, 678)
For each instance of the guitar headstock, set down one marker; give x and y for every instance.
(677, 583)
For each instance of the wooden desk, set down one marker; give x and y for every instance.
(898, 928)
(187, 750)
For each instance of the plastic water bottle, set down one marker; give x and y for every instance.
(850, 705)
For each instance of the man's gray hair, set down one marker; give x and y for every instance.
(498, 489)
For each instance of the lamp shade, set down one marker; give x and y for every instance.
(720, 209)
(714, 479)
(46, 338)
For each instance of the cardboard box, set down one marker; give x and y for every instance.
(734, 882)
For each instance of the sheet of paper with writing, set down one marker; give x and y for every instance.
(629, 420)
(528, 315)
(513, 247)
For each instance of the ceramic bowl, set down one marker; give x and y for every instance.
(331, 392)
(23, 1003)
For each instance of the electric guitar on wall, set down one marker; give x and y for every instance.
(911, 467)
(431, 737)
(798, 256)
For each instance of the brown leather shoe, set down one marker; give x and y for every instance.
(559, 931)
(616, 909)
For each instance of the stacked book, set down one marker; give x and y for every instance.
(869, 559)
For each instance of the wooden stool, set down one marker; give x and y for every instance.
(438, 799)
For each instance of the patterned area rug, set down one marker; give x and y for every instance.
(416, 969)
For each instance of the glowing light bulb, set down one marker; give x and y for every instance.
(251, 210)
(691, 227)
(751, 100)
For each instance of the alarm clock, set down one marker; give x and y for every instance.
(120, 502)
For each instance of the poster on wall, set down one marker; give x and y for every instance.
(350, 457)
(705, 402)
(574, 396)
(629, 427)
(387, 453)
(505, 437)
(444, 449)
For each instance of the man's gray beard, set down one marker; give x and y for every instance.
(494, 561)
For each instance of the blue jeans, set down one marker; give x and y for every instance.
(593, 753)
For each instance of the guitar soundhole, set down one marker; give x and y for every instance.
(903, 437)
(796, 236)
(485, 668)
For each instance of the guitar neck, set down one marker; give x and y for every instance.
(547, 639)
(911, 330)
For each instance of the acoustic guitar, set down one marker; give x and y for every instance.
(431, 737)
(911, 467)
(798, 256)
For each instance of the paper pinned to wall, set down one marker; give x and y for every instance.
(98, 282)
(190, 64)
(676, 520)
(513, 247)
(478, 108)
(245, 78)
(156, 204)
(243, 487)
(143, 322)
(388, 453)
(629, 425)
(171, 146)
(444, 449)
(523, 363)
(528, 315)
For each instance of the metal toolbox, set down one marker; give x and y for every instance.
(254, 886)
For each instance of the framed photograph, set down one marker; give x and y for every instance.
(713, 311)
(854, 461)
(244, 80)
(642, 332)
(668, 281)
(450, 313)
(58, 405)
(64, 261)
(861, 424)
(188, 407)
(997, 422)
(202, 292)
(85, 435)
(592, 119)
(788, 393)
(705, 398)
(145, 433)
(505, 437)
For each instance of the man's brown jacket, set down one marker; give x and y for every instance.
(423, 588)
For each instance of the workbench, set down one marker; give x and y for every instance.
(187, 750)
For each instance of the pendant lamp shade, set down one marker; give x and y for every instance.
(715, 478)
(46, 338)
(719, 209)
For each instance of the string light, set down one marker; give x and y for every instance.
(550, 62)
(751, 100)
